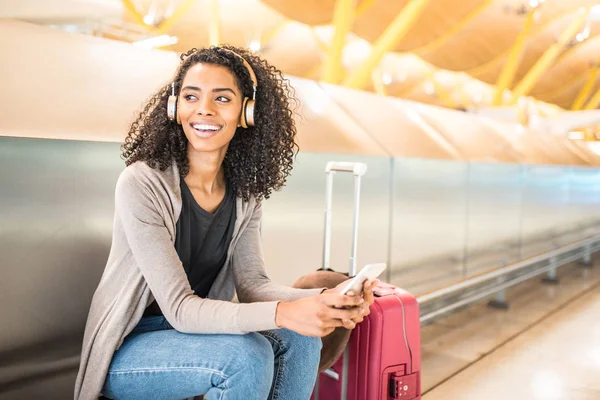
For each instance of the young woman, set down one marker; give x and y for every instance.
(201, 156)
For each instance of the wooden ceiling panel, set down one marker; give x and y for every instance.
(437, 17)
(294, 50)
(479, 41)
(573, 62)
(310, 12)
(472, 36)
(572, 71)
(564, 98)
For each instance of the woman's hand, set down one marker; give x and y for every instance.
(318, 315)
(369, 299)
(367, 295)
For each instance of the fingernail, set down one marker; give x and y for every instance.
(350, 293)
(362, 310)
(361, 301)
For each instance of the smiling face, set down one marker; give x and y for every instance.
(209, 106)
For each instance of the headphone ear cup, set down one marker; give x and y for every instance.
(249, 112)
(243, 119)
(172, 109)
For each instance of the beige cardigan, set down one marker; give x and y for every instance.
(143, 265)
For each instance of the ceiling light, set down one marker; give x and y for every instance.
(536, 3)
(576, 135)
(157, 41)
(595, 147)
(594, 14)
(386, 79)
(585, 33)
(255, 46)
(149, 20)
(355, 52)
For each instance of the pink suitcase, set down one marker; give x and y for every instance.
(383, 357)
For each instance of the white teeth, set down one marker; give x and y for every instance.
(202, 127)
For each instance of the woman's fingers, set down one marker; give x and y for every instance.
(344, 313)
(340, 300)
(349, 324)
(345, 310)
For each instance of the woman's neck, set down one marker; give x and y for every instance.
(206, 171)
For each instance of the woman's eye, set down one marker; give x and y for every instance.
(189, 97)
(223, 99)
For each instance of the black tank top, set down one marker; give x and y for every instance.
(202, 240)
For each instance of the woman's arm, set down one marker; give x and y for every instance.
(137, 205)
(251, 280)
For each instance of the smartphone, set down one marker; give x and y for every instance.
(369, 272)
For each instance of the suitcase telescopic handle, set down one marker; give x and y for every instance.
(358, 169)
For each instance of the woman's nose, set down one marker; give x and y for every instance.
(205, 107)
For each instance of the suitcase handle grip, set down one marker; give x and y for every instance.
(340, 166)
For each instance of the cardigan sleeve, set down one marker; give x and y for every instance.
(251, 280)
(138, 204)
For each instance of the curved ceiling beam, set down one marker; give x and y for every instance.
(491, 63)
(129, 6)
(363, 7)
(343, 16)
(181, 10)
(378, 84)
(270, 34)
(443, 94)
(388, 39)
(594, 102)
(322, 46)
(586, 90)
(507, 75)
(457, 27)
(546, 60)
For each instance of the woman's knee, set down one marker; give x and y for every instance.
(255, 359)
(307, 348)
(309, 345)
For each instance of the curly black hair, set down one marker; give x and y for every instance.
(258, 160)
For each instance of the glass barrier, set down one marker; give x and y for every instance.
(433, 221)
(450, 220)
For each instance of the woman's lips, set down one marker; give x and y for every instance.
(206, 130)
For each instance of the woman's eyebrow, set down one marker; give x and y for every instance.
(215, 90)
(224, 90)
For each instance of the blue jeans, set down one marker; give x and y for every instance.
(157, 362)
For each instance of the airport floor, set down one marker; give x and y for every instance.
(546, 346)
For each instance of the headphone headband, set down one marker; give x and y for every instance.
(248, 67)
